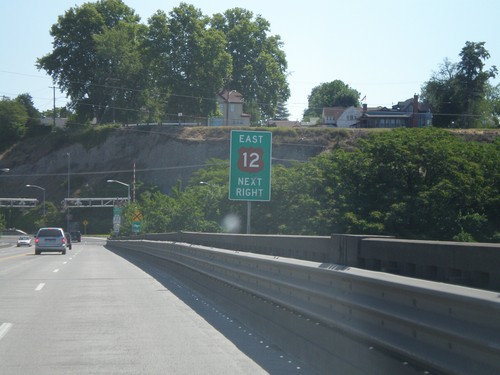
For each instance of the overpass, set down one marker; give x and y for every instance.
(18, 202)
(342, 318)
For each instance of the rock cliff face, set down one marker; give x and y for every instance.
(162, 156)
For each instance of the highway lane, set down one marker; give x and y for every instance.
(92, 312)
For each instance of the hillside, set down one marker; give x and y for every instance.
(162, 155)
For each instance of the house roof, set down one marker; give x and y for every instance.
(407, 105)
(231, 96)
(333, 112)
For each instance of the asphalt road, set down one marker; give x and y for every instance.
(93, 312)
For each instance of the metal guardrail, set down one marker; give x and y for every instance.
(446, 328)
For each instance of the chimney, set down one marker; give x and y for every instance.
(415, 111)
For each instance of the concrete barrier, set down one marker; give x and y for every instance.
(445, 328)
(468, 264)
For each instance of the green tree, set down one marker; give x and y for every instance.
(258, 61)
(460, 94)
(472, 80)
(2, 222)
(123, 73)
(32, 219)
(13, 119)
(441, 92)
(188, 61)
(33, 114)
(294, 206)
(61, 112)
(75, 64)
(281, 111)
(493, 106)
(331, 94)
(414, 184)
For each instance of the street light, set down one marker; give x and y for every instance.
(124, 184)
(69, 183)
(43, 189)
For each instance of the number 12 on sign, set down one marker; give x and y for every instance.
(250, 166)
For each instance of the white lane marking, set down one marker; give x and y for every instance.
(65, 262)
(56, 270)
(40, 286)
(4, 328)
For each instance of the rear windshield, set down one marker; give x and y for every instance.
(49, 233)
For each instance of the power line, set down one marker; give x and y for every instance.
(112, 171)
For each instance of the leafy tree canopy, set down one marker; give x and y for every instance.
(79, 63)
(411, 183)
(258, 62)
(331, 94)
(460, 94)
(13, 119)
(116, 69)
(188, 60)
(33, 114)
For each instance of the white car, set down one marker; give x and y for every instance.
(24, 241)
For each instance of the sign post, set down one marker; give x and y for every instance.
(250, 167)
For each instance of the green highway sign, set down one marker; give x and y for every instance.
(136, 226)
(250, 166)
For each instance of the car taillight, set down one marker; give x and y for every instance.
(64, 240)
(36, 240)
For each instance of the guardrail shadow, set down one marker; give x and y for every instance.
(209, 299)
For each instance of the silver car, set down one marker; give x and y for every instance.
(24, 241)
(50, 239)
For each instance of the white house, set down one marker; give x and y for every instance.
(349, 117)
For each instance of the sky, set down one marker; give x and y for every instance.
(384, 49)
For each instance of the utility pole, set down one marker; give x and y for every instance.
(54, 109)
(133, 198)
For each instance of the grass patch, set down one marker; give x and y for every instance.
(92, 136)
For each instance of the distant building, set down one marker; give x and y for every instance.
(349, 117)
(409, 114)
(230, 104)
(49, 121)
(330, 115)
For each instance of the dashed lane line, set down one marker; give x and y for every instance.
(4, 328)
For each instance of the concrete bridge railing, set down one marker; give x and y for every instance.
(444, 328)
